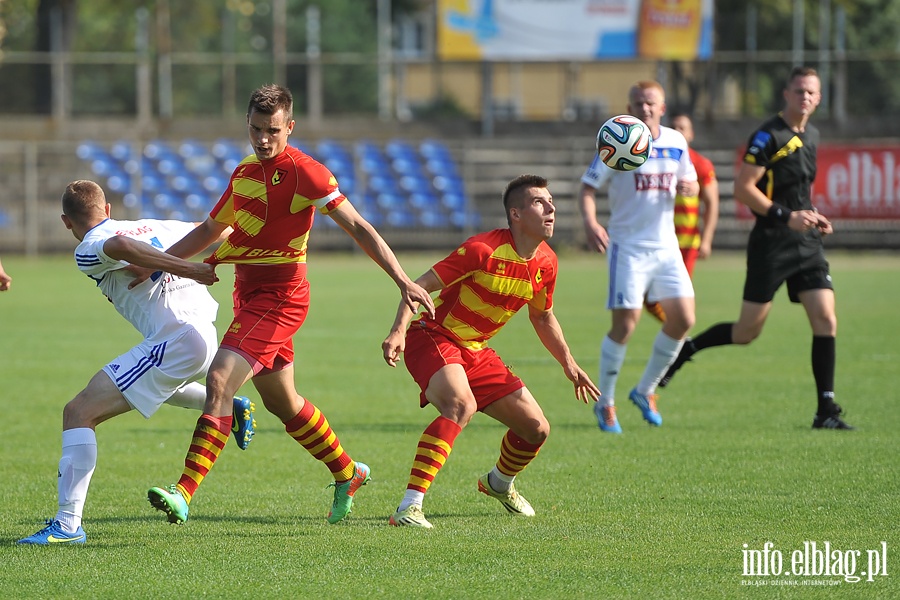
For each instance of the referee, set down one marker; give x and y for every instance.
(785, 246)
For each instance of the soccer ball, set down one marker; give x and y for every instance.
(624, 143)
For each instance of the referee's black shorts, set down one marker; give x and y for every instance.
(776, 255)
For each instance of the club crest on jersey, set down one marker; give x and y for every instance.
(501, 268)
(539, 276)
(235, 328)
(278, 176)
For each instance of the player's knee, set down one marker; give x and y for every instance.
(459, 410)
(538, 433)
(74, 413)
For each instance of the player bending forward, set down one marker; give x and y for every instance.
(482, 284)
(174, 314)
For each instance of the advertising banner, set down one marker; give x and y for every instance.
(537, 30)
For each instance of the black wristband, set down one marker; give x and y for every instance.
(779, 213)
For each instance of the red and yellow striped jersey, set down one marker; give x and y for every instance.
(687, 208)
(485, 283)
(271, 205)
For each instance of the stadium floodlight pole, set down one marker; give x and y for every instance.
(799, 33)
(314, 67)
(279, 41)
(384, 59)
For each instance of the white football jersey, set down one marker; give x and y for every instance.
(162, 303)
(642, 202)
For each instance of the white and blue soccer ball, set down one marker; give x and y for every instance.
(624, 143)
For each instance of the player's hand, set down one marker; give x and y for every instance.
(140, 274)
(393, 346)
(585, 389)
(597, 237)
(414, 295)
(204, 273)
(688, 188)
(824, 225)
(704, 251)
(804, 220)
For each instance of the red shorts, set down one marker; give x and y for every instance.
(429, 351)
(270, 305)
(690, 259)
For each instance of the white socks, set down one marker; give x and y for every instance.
(76, 466)
(498, 481)
(612, 355)
(411, 497)
(665, 350)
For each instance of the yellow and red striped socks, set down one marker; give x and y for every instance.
(210, 436)
(515, 455)
(311, 429)
(432, 452)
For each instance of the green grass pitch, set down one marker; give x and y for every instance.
(653, 513)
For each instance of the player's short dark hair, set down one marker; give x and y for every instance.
(82, 199)
(674, 114)
(520, 182)
(800, 71)
(271, 98)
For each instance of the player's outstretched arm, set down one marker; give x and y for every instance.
(144, 255)
(550, 333)
(395, 343)
(374, 245)
(199, 239)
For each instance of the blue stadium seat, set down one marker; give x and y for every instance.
(215, 184)
(192, 149)
(401, 149)
(170, 166)
(425, 201)
(401, 219)
(434, 149)
(121, 151)
(87, 150)
(449, 184)
(224, 148)
(389, 202)
(446, 168)
(406, 166)
(434, 219)
(104, 165)
(454, 202)
(158, 149)
(463, 219)
(198, 203)
(383, 183)
(119, 183)
(415, 184)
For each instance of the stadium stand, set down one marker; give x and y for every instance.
(396, 184)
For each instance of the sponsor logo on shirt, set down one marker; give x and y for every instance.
(653, 181)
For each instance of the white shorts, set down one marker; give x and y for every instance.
(148, 374)
(636, 273)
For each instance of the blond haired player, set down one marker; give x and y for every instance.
(642, 251)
